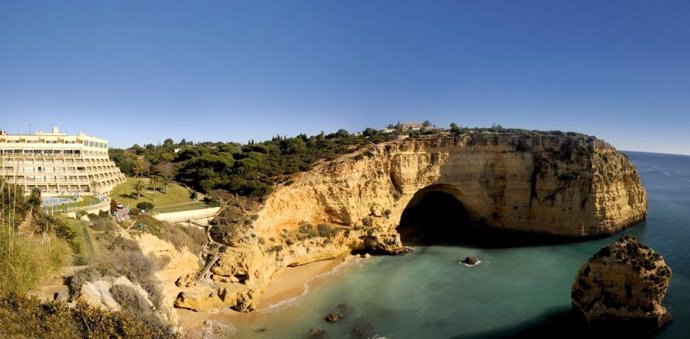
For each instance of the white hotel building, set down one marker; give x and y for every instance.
(58, 163)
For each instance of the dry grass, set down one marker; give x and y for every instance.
(25, 260)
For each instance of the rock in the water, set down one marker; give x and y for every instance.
(471, 260)
(316, 333)
(624, 282)
(334, 316)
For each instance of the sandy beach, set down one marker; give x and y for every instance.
(288, 286)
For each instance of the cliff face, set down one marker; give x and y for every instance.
(565, 185)
(555, 184)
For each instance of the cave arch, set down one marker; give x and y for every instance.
(436, 215)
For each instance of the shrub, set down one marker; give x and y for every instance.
(149, 224)
(79, 278)
(212, 201)
(145, 206)
(125, 258)
(179, 236)
(130, 299)
(104, 225)
(275, 248)
(326, 231)
(66, 232)
(198, 236)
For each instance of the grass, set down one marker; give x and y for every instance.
(176, 199)
(82, 237)
(84, 201)
(192, 205)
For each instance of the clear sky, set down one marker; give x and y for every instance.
(143, 71)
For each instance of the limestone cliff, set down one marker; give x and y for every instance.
(566, 185)
(625, 281)
(552, 183)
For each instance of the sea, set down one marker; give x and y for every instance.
(516, 291)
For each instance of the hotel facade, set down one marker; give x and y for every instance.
(58, 163)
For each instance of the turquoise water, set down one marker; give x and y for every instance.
(519, 291)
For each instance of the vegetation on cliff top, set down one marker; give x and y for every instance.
(253, 169)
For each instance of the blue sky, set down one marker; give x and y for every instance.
(143, 71)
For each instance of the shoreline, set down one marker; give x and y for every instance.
(292, 284)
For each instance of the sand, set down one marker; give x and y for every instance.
(291, 284)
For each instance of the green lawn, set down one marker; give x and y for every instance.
(176, 199)
(83, 239)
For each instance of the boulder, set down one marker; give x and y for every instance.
(97, 294)
(316, 333)
(471, 260)
(199, 300)
(624, 283)
(334, 316)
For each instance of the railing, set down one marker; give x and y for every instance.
(63, 208)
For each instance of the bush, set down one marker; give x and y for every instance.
(198, 236)
(28, 317)
(130, 299)
(66, 232)
(79, 278)
(105, 225)
(212, 202)
(145, 206)
(179, 236)
(125, 258)
(149, 224)
(326, 231)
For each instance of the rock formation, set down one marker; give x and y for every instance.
(552, 183)
(471, 260)
(624, 282)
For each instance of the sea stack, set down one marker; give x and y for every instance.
(624, 283)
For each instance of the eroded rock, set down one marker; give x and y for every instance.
(560, 184)
(624, 282)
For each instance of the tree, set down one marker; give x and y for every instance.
(154, 186)
(138, 187)
(426, 124)
(496, 127)
(368, 132)
(454, 128)
(141, 167)
(166, 173)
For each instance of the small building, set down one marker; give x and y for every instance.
(410, 126)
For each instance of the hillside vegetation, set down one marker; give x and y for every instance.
(253, 169)
(247, 170)
(34, 246)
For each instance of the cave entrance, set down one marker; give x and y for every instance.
(435, 216)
